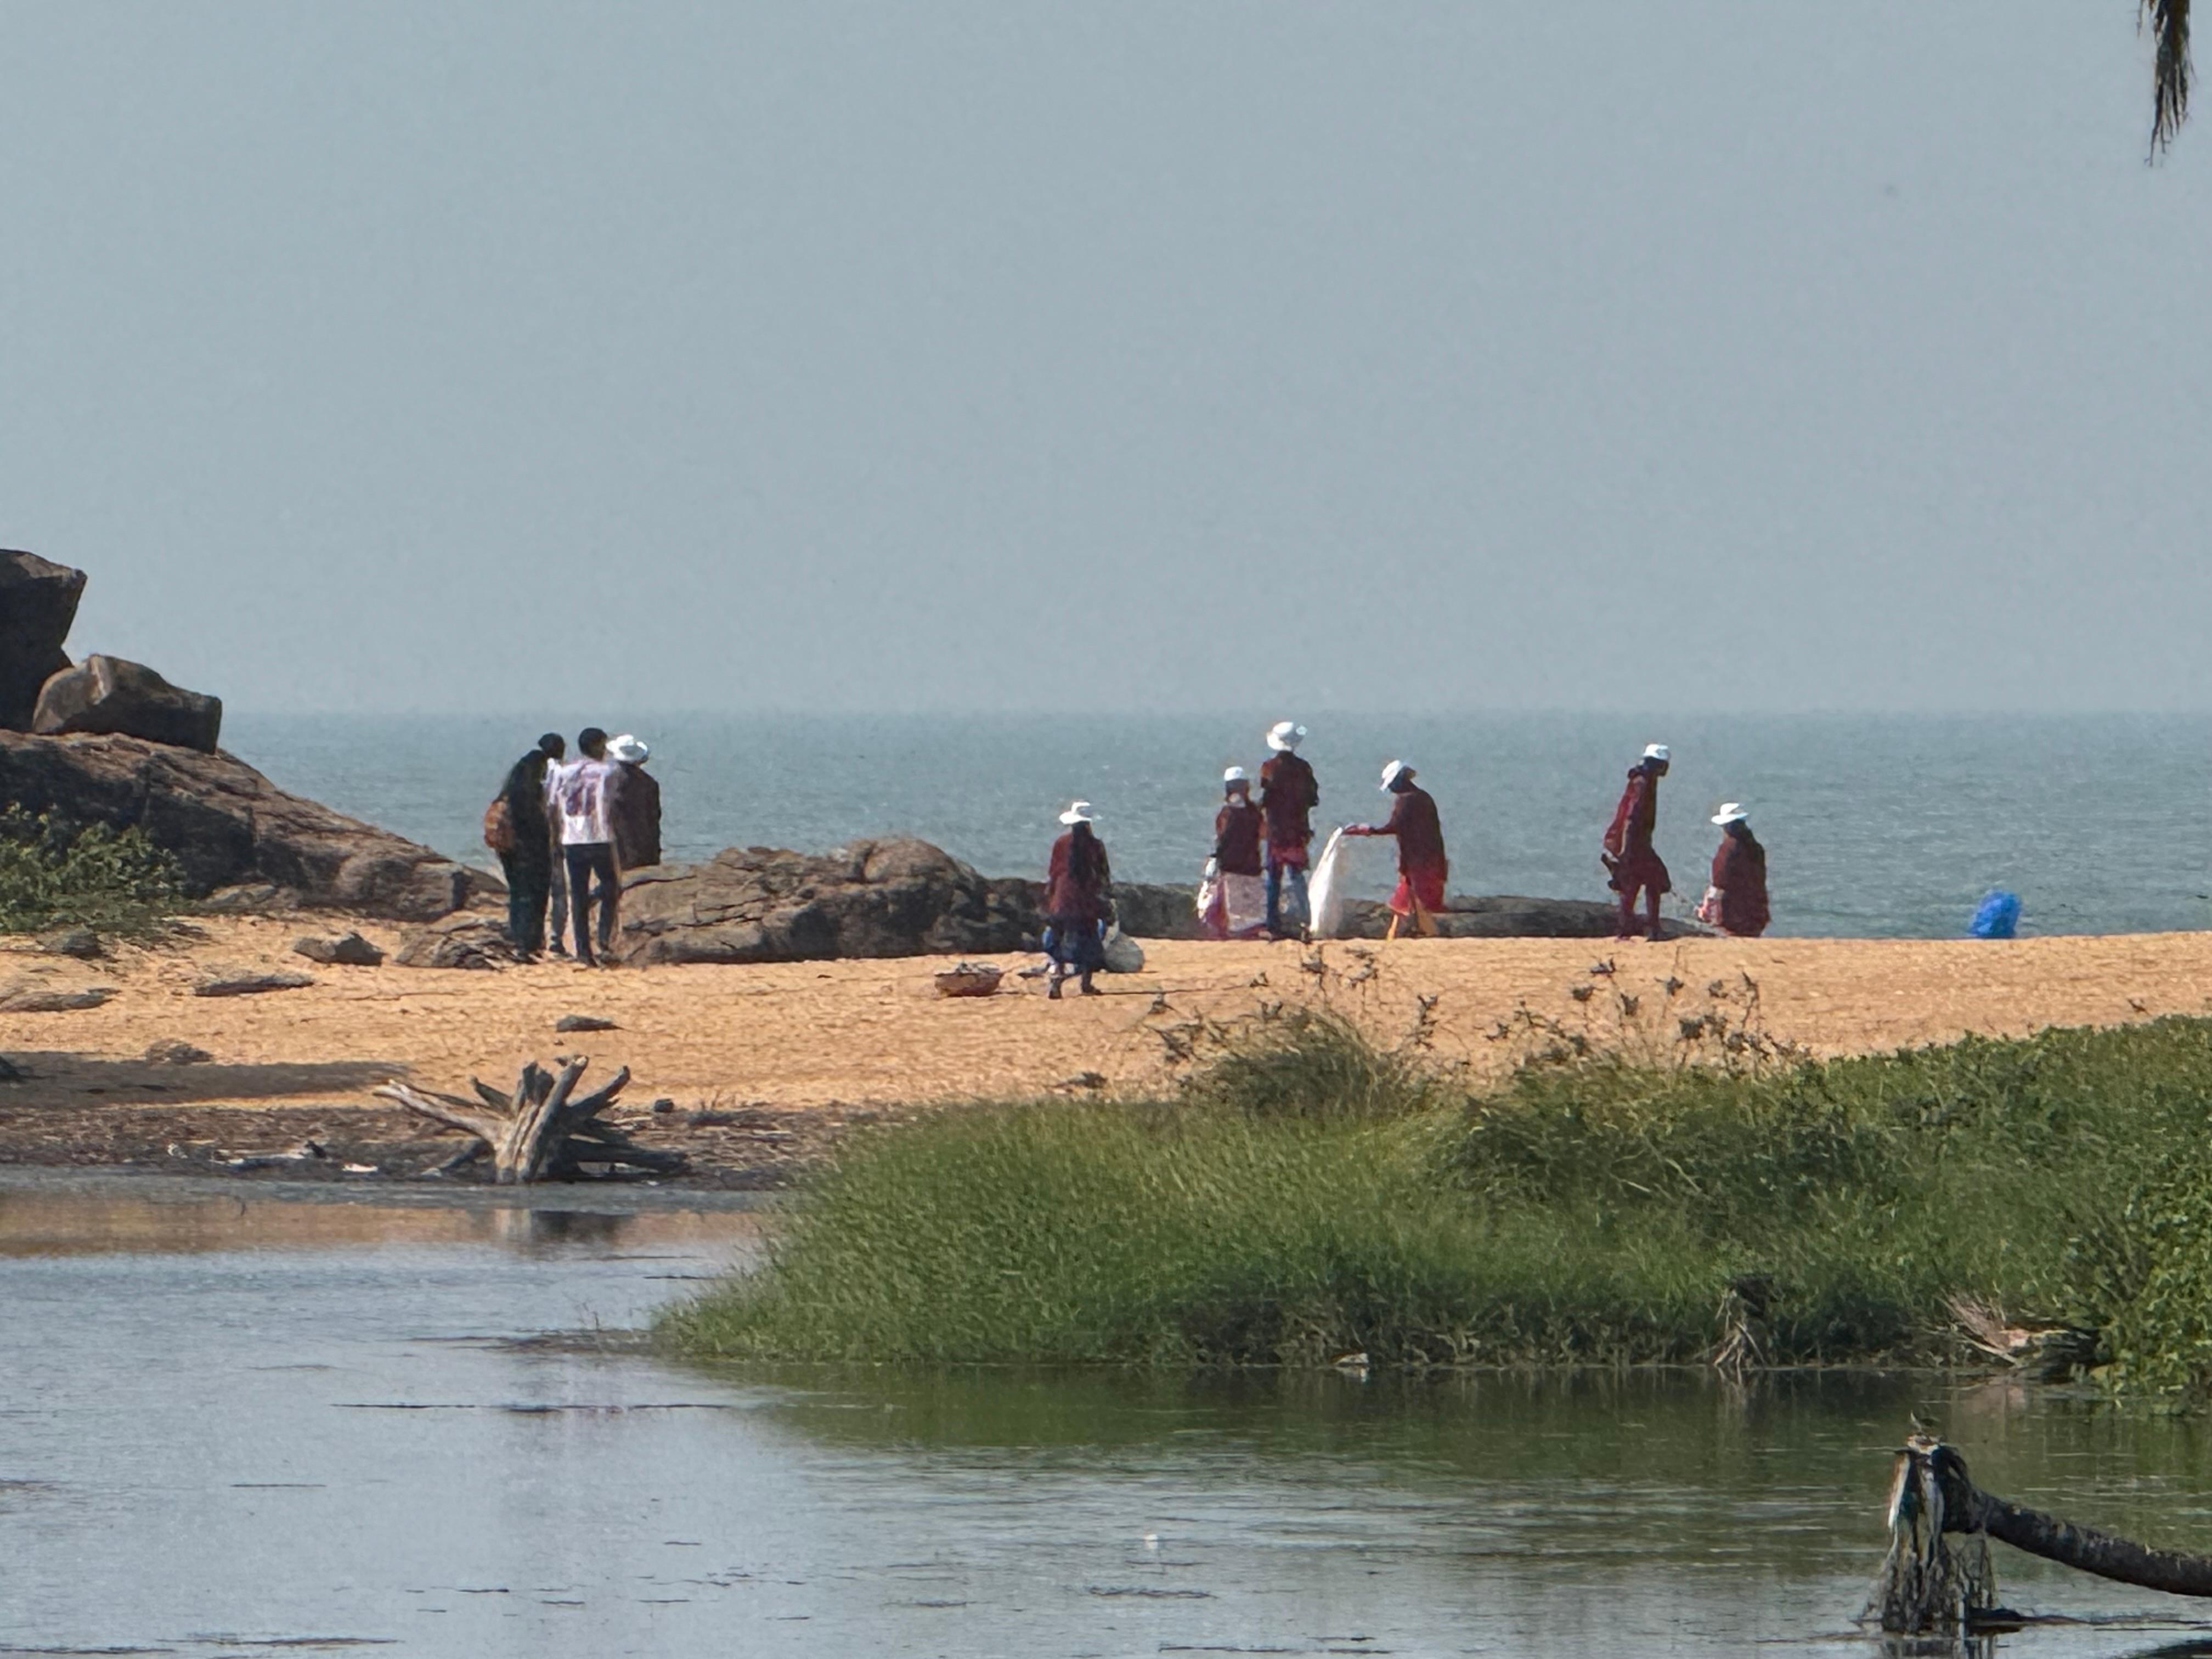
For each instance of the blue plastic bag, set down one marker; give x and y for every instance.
(1997, 916)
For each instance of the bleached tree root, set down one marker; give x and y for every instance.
(545, 1130)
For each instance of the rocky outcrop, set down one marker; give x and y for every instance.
(38, 603)
(905, 898)
(458, 941)
(111, 694)
(874, 898)
(227, 825)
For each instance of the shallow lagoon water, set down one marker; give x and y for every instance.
(232, 1417)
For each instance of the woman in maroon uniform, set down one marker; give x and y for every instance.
(1241, 910)
(1422, 865)
(1076, 886)
(1737, 902)
(1632, 864)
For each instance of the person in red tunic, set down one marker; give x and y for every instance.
(1076, 883)
(1422, 865)
(1288, 795)
(1736, 902)
(1632, 864)
(1240, 909)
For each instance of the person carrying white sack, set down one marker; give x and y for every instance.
(1235, 906)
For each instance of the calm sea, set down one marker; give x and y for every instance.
(1883, 826)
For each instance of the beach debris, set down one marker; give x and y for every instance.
(33, 1000)
(1083, 1080)
(1580, 992)
(1602, 967)
(1997, 916)
(542, 1130)
(663, 1106)
(248, 985)
(347, 950)
(465, 939)
(969, 979)
(307, 1152)
(175, 1052)
(584, 1023)
(250, 898)
(1928, 1586)
(81, 943)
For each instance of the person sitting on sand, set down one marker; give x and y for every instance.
(528, 860)
(1422, 866)
(1632, 864)
(1288, 795)
(1076, 883)
(633, 803)
(576, 795)
(1241, 910)
(1736, 902)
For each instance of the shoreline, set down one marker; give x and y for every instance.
(765, 1067)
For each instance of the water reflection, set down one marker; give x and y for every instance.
(281, 1421)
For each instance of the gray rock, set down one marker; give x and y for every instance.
(347, 950)
(247, 984)
(31, 1000)
(38, 603)
(228, 826)
(468, 940)
(175, 1053)
(251, 898)
(584, 1023)
(117, 698)
(81, 943)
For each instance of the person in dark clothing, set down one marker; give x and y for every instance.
(1423, 868)
(1632, 863)
(633, 804)
(1240, 911)
(527, 863)
(1737, 904)
(1076, 883)
(1288, 795)
(576, 798)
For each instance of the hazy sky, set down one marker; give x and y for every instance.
(384, 356)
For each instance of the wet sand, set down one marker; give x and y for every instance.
(791, 1053)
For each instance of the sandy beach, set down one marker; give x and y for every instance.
(764, 1063)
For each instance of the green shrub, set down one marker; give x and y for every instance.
(1306, 1196)
(53, 874)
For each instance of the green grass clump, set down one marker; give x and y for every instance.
(53, 874)
(1306, 1195)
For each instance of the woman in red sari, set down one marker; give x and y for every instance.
(1422, 865)
(1736, 902)
(1632, 863)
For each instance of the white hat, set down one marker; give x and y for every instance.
(1731, 813)
(1079, 811)
(627, 748)
(1237, 775)
(1393, 770)
(1658, 752)
(1285, 735)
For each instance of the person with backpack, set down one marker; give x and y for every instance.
(516, 827)
(576, 801)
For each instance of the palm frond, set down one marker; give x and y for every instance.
(2168, 22)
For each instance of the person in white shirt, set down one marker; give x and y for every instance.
(576, 802)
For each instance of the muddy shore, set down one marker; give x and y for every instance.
(757, 1070)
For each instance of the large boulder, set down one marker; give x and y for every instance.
(898, 897)
(38, 603)
(227, 825)
(111, 694)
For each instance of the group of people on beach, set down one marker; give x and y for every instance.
(565, 830)
(1255, 884)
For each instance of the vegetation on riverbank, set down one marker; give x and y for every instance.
(1307, 1195)
(54, 874)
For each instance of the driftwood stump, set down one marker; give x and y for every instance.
(544, 1130)
(1926, 1587)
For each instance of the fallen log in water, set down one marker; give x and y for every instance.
(544, 1130)
(1927, 1586)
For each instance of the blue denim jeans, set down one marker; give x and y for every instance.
(1296, 883)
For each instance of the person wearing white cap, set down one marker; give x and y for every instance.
(1288, 795)
(1239, 908)
(1631, 862)
(1735, 902)
(1077, 882)
(1423, 868)
(633, 803)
